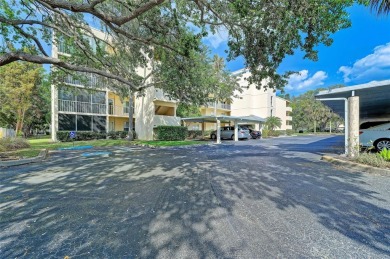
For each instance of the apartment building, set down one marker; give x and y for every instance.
(92, 105)
(261, 103)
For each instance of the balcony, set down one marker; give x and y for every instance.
(223, 106)
(159, 95)
(85, 79)
(288, 109)
(81, 107)
(288, 118)
(117, 110)
(162, 120)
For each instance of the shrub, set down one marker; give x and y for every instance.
(171, 132)
(289, 132)
(274, 133)
(119, 134)
(372, 159)
(194, 133)
(265, 133)
(7, 144)
(63, 136)
(385, 154)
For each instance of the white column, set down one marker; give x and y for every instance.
(218, 131)
(107, 115)
(235, 131)
(54, 112)
(353, 126)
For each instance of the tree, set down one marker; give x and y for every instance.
(185, 111)
(273, 122)
(19, 81)
(310, 114)
(381, 6)
(140, 31)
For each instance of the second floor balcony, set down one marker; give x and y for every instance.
(81, 107)
(118, 110)
(224, 106)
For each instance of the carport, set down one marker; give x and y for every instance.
(218, 119)
(358, 104)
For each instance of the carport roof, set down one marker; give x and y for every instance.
(374, 99)
(223, 118)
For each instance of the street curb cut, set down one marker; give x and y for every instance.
(42, 156)
(356, 166)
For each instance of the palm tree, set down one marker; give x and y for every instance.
(381, 6)
(273, 122)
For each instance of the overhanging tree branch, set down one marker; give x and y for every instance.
(15, 56)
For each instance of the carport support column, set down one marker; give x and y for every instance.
(353, 126)
(218, 131)
(235, 131)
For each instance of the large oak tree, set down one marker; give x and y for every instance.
(170, 33)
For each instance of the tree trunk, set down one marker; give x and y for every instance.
(18, 121)
(131, 111)
(315, 127)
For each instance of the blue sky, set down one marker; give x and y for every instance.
(359, 54)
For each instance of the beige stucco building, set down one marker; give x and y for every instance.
(91, 105)
(261, 103)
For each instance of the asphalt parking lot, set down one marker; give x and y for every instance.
(252, 199)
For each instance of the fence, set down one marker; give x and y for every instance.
(7, 133)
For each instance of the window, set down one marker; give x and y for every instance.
(99, 97)
(126, 126)
(84, 123)
(271, 112)
(99, 123)
(66, 93)
(66, 122)
(271, 101)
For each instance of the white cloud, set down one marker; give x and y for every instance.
(370, 67)
(304, 81)
(218, 38)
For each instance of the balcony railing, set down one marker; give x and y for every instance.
(224, 106)
(81, 107)
(162, 120)
(118, 110)
(85, 79)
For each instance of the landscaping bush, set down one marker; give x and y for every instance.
(63, 136)
(171, 132)
(289, 132)
(372, 159)
(274, 133)
(8, 144)
(385, 154)
(119, 134)
(194, 134)
(265, 133)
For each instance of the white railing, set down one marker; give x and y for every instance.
(162, 120)
(288, 118)
(289, 109)
(118, 110)
(224, 106)
(81, 107)
(84, 79)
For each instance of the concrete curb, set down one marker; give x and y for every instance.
(356, 166)
(42, 156)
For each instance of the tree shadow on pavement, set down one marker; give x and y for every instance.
(187, 202)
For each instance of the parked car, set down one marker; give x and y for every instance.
(377, 136)
(255, 134)
(228, 133)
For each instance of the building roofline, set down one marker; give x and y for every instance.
(355, 87)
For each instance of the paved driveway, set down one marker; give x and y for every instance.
(252, 199)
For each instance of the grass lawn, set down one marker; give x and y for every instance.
(45, 143)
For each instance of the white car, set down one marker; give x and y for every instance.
(228, 133)
(378, 136)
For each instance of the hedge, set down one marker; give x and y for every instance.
(171, 133)
(119, 134)
(194, 134)
(80, 135)
(63, 136)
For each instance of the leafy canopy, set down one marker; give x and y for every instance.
(166, 37)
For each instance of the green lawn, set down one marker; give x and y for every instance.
(45, 143)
